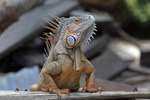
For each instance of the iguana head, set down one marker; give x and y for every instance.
(73, 31)
(78, 30)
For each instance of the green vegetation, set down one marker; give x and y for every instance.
(138, 24)
(140, 9)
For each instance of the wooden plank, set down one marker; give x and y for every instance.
(139, 69)
(30, 24)
(108, 65)
(22, 95)
(135, 79)
(109, 85)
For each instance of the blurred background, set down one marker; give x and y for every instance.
(120, 51)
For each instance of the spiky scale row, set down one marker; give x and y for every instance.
(94, 33)
(48, 46)
(53, 28)
(92, 36)
(54, 17)
(95, 30)
(50, 34)
(49, 22)
(46, 38)
(89, 40)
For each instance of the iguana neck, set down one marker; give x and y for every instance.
(76, 54)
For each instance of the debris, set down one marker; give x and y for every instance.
(125, 50)
(17, 89)
(17, 34)
(109, 85)
(11, 10)
(98, 44)
(22, 79)
(108, 65)
(145, 56)
(25, 90)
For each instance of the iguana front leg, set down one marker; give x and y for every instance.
(46, 81)
(54, 68)
(90, 78)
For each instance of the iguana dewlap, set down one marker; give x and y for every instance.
(63, 67)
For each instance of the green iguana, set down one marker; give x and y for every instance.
(66, 61)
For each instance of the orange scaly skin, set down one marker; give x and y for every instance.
(66, 61)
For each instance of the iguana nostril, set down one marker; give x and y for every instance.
(91, 17)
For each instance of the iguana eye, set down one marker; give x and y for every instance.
(70, 40)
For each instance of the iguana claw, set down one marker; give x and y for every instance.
(91, 90)
(59, 91)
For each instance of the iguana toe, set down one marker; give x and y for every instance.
(59, 91)
(90, 89)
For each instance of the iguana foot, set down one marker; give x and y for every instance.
(91, 90)
(59, 91)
